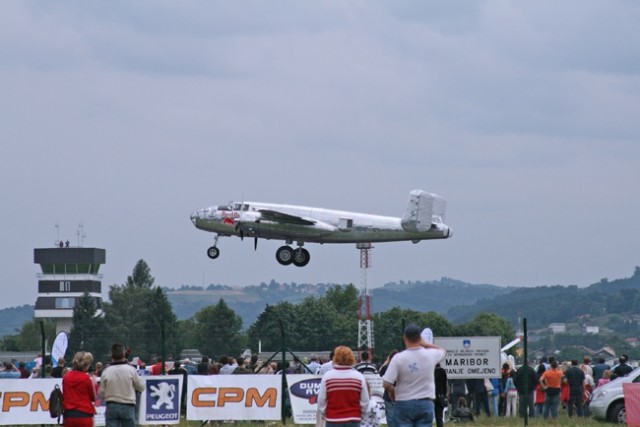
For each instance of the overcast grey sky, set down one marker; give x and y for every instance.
(128, 116)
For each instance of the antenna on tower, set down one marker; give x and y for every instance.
(80, 234)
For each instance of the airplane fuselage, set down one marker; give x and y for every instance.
(423, 219)
(326, 225)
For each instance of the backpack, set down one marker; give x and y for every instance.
(55, 403)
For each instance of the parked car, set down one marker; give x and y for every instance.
(607, 401)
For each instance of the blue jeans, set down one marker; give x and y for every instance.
(551, 403)
(349, 424)
(389, 405)
(413, 413)
(120, 415)
(494, 402)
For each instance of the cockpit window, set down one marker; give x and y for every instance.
(240, 207)
(224, 208)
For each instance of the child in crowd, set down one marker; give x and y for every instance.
(512, 397)
(462, 413)
(373, 416)
(606, 377)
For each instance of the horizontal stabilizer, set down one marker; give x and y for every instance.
(423, 211)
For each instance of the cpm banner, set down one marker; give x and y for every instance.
(234, 397)
(28, 401)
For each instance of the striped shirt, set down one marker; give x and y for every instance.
(343, 396)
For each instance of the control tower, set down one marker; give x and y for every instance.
(66, 274)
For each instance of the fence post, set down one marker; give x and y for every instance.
(42, 342)
(283, 351)
(163, 348)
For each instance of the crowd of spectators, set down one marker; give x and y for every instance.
(538, 391)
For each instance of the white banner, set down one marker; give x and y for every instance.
(234, 397)
(160, 400)
(303, 392)
(27, 400)
(471, 357)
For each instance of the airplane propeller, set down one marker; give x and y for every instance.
(240, 229)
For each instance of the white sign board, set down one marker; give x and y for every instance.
(27, 401)
(471, 357)
(234, 397)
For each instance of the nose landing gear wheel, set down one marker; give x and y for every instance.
(213, 252)
(301, 257)
(284, 255)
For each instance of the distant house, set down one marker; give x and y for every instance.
(592, 329)
(605, 352)
(633, 342)
(558, 328)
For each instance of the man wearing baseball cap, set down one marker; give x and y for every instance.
(410, 380)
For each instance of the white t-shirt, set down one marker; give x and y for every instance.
(412, 373)
(326, 367)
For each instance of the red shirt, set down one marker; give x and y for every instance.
(156, 369)
(78, 392)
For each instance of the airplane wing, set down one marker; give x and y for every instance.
(283, 217)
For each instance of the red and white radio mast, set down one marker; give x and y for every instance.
(365, 322)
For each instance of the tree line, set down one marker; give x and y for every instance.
(140, 316)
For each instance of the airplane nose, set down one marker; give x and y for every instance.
(194, 217)
(449, 231)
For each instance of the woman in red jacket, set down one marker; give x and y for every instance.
(78, 390)
(343, 395)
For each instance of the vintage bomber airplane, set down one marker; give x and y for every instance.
(423, 219)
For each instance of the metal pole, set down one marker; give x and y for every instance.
(526, 382)
(164, 349)
(42, 341)
(283, 350)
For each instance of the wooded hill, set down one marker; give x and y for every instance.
(615, 302)
(250, 301)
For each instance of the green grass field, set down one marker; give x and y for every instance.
(563, 420)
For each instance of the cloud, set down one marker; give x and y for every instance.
(128, 116)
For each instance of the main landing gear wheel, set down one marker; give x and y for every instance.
(213, 252)
(284, 255)
(301, 257)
